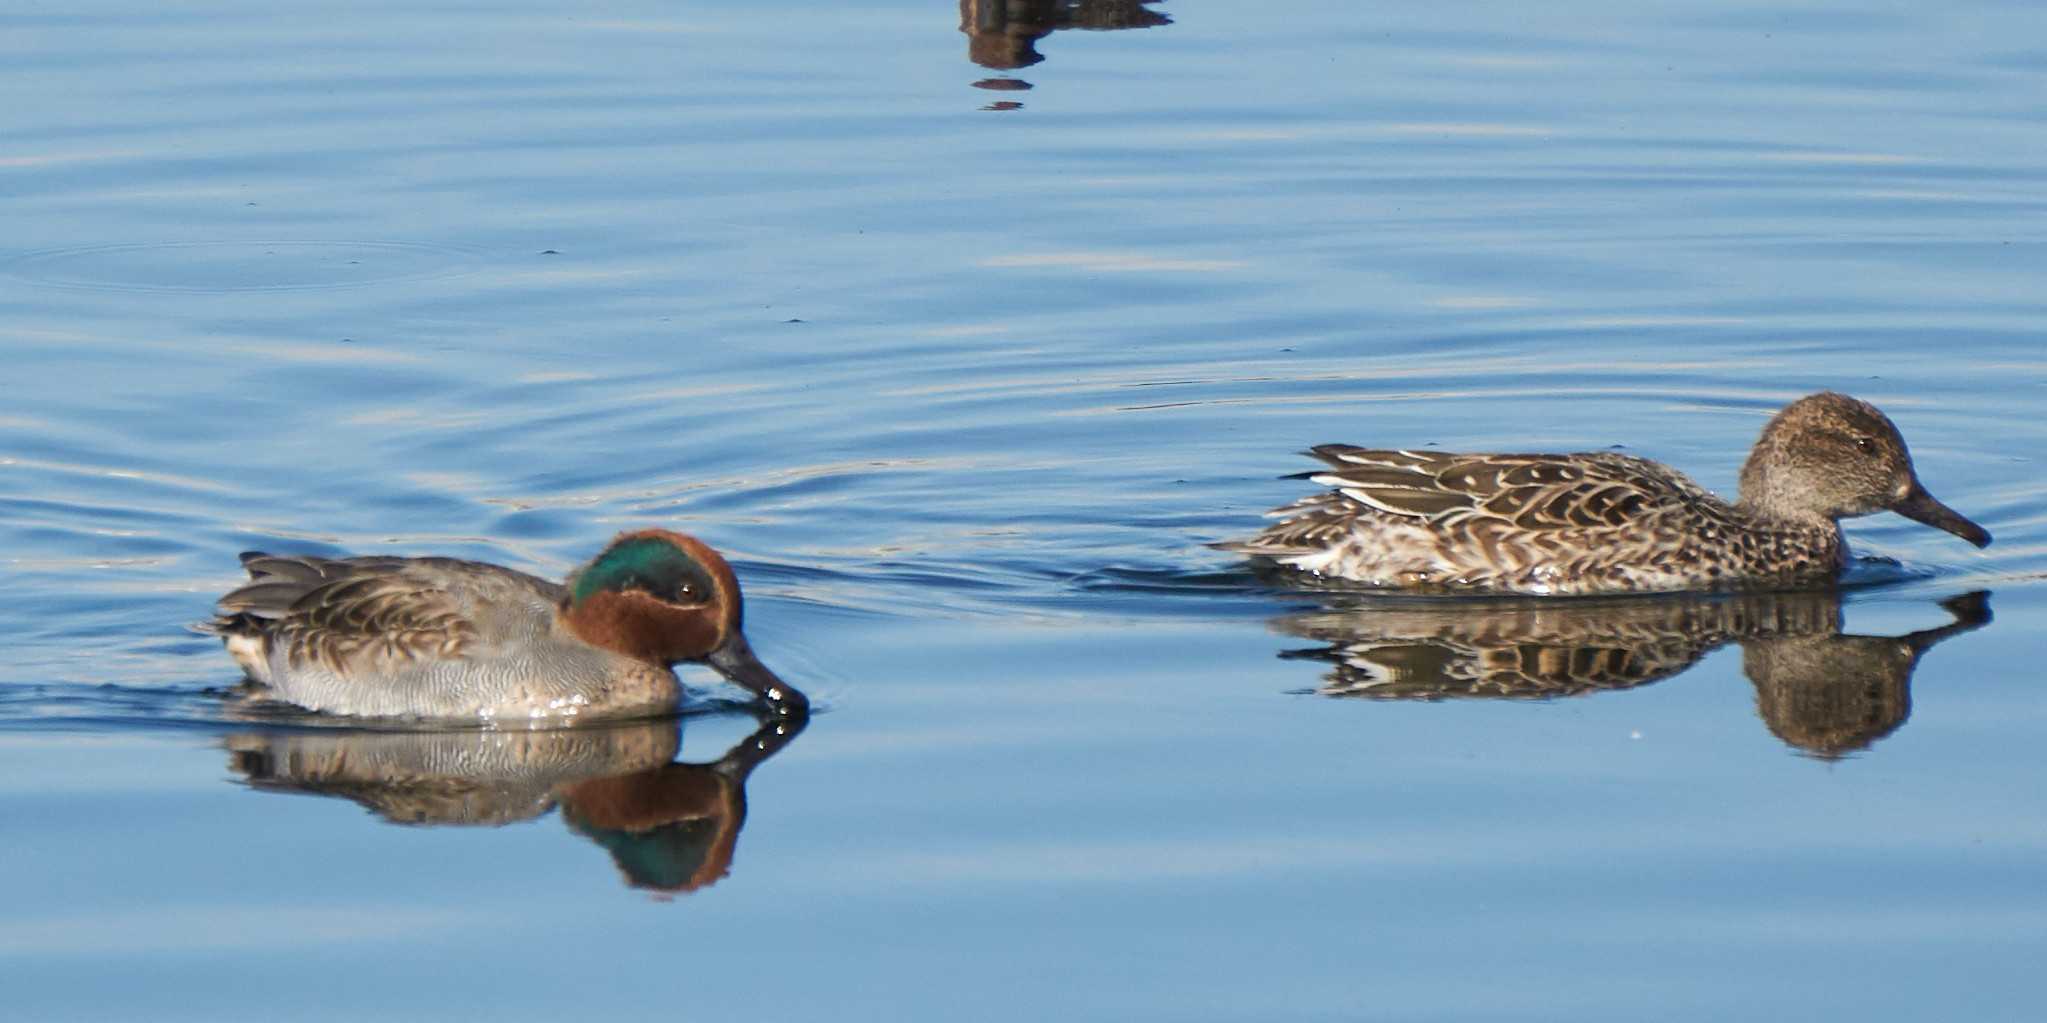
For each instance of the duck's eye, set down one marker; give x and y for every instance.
(1864, 444)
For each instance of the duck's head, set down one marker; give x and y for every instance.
(1829, 456)
(664, 597)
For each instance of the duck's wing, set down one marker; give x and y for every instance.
(1530, 494)
(355, 614)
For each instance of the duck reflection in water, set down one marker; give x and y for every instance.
(670, 827)
(1003, 34)
(1823, 691)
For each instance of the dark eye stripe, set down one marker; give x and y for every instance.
(680, 589)
(654, 567)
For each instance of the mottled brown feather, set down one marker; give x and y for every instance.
(385, 617)
(1531, 494)
(361, 614)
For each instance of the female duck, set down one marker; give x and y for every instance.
(1605, 523)
(443, 638)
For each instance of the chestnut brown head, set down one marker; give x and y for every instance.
(663, 597)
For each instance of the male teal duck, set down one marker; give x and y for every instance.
(443, 638)
(1600, 522)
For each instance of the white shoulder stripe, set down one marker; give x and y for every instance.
(1420, 484)
(1365, 497)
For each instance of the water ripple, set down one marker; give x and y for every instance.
(230, 266)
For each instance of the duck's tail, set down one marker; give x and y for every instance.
(247, 615)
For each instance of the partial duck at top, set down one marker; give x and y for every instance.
(1601, 522)
(441, 638)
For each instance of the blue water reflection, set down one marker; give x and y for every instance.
(964, 396)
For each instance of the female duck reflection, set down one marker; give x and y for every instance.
(670, 827)
(1825, 692)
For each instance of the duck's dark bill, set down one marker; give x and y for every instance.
(735, 660)
(1920, 506)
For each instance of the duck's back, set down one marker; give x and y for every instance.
(1591, 522)
(420, 637)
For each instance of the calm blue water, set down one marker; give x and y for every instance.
(963, 375)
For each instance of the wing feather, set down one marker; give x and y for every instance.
(1484, 496)
(372, 613)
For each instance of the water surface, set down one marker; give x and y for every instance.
(964, 392)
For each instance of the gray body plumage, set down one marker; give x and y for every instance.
(425, 638)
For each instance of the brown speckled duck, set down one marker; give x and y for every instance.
(1600, 522)
(440, 638)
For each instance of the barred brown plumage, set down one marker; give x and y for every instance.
(1603, 522)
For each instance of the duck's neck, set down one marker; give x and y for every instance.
(1776, 515)
(1790, 535)
(1784, 515)
(1772, 509)
(1764, 495)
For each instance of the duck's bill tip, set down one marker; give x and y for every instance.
(1920, 506)
(735, 661)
